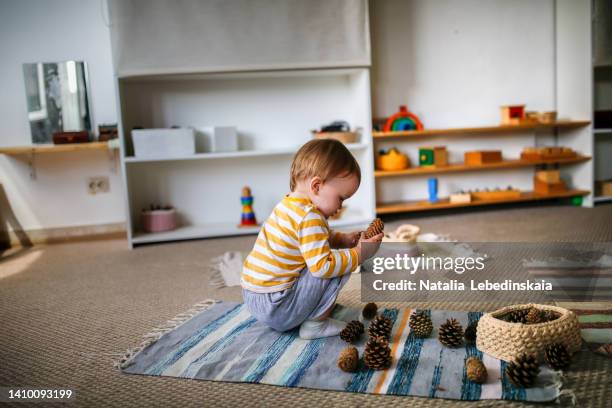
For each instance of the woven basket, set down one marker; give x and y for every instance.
(505, 340)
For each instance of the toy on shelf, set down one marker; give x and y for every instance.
(338, 130)
(432, 185)
(436, 156)
(248, 216)
(480, 157)
(548, 182)
(158, 218)
(460, 197)
(392, 160)
(603, 188)
(547, 153)
(403, 120)
(497, 194)
(512, 114)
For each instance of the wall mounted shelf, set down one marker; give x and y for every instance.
(461, 167)
(424, 205)
(570, 124)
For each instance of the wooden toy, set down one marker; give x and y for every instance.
(547, 153)
(248, 216)
(532, 117)
(392, 160)
(460, 197)
(548, 182)
(496, 194)
(548, 176)
(512, 114)
(480, 157)
(432, 185)
(603, 187)
(436, 156)
(548, 117)
(403, 120)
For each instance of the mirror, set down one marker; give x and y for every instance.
(57, 98)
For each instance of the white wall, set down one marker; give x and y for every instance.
(48, 31)
(455, 62)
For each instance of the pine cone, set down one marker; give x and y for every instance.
(516, 316)
(534, 316)
(475, 370)
(380, 327)
(375, 228)
(353, 331)
(369, 311)
(470, 333)
(421, 325)
(451, 333)
(556, 356)
(348, 359)
(377, 354)
(522, 372)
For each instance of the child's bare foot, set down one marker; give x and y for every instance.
(315, 329)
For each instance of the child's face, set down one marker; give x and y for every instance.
(329, 195)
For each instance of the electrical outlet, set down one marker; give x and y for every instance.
(99, 184)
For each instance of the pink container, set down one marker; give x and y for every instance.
(159, 220)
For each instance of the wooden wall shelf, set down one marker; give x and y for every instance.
(50, 148)
(461, 167)
(487, 129)
(424, 205)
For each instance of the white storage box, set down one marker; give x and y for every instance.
(221, 138)
(163, 142)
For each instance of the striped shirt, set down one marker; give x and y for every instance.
(295, 236)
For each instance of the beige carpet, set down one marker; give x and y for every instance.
(67, 310)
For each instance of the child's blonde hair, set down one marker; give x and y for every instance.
(325, 158)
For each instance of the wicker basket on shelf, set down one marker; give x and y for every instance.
(505, 340)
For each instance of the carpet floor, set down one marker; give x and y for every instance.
(67, 311)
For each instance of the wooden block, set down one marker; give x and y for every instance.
(604, 188)
(549, 176)
(433, 156)
(461, 198)
(480, 157)
(496, 195)
(543, 188)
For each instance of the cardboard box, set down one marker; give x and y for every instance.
(480, 157)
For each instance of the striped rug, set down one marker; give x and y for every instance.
(225, 343)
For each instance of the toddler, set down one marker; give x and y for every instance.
(297, 267)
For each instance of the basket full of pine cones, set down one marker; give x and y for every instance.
(527, 329)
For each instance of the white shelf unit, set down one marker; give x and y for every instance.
(274, 112)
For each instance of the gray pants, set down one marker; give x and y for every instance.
(309, 298)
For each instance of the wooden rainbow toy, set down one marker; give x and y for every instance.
(248, 215)
(403, 120)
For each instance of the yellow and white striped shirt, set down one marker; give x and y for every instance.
(296, 235)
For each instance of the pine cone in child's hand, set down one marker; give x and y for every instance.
(375, 228)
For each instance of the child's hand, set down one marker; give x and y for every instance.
(351, 239)
(371, 246)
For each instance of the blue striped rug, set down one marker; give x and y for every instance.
(224, 343)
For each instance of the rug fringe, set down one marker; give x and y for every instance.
(157, 332)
